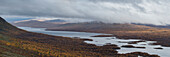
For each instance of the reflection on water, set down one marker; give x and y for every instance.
(100, 41)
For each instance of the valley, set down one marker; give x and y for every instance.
(139, 46)
(120, 31)
(84, 28)
(123, 31)
(20, 43)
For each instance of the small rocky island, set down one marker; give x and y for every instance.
(131, 46)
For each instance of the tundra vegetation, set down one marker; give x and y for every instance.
(15, 42)
(123, 31)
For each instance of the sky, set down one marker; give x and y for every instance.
(109, 11)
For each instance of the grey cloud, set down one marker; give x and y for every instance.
(114, 11)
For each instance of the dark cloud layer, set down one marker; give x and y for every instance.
(123, 11)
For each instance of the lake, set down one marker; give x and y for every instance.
(100, 41)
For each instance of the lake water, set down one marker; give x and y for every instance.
(100, 41)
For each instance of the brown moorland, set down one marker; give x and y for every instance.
(19, 43)
(124, 31)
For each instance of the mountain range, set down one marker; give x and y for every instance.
(152, 25)
(40, 24)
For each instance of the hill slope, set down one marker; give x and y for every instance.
(4, 26)
(33, 22)
(40, 24)
(99, 27)
(152, 25)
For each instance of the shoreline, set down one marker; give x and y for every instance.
(112, 49)
(117, 35)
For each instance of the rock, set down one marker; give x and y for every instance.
(103, 36)
(135, 42)
(131, 46)
(140, 47)
(158, 48)
(76, 37)
(128, 46)
(87, 39)
(122, 42)
(108, 43)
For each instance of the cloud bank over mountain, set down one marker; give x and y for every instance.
(112, 11)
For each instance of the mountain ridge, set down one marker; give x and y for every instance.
(5, 26)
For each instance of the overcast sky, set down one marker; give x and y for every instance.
(112, 11)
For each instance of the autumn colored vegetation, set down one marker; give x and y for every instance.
(124, 31)
(15, 42)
